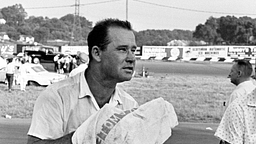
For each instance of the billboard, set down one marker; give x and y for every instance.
(162, 51)
(204, 51)
(154, 51)
(74, 49)
(242, 51)
(7, 48)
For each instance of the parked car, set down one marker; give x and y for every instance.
(38, 75)
(2, 74)
(3, 64)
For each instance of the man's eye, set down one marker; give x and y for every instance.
(122, 49)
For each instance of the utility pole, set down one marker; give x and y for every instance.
(127, 10)
(76, 23)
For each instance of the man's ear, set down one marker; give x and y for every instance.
(96, 53)
(239, 73)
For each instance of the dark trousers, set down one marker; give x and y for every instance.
(56, 66)
(9, 78)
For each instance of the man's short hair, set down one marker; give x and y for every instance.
(245, 66)
(99, 34)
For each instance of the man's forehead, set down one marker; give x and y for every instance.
(121, 34)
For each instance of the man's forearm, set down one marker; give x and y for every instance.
(67, 139)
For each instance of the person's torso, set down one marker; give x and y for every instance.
(242, 90)
(248, 106)
(77, 109)
(10, 68)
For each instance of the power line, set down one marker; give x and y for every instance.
(93, 3)
(192, 10)
(50, 7)
(108, 1)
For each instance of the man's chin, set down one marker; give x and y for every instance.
(125, 78)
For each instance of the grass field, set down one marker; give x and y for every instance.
(195, 98)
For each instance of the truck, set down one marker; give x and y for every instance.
(42, 52)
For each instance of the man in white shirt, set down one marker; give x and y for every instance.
(82, 62)
(63, 106)
(10, 70)
(237, 125)
(240, 75)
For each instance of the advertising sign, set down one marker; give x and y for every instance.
(7, 48)
(205, 51)
(242, 51)
(174, 51)
(74, 49)
(154, 51)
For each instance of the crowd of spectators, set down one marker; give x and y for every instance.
(65, 63)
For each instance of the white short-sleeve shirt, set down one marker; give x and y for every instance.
(238, 125)
(65, 105)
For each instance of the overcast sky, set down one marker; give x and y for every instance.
(143, 14)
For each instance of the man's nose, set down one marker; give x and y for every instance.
(229, 76)
(130, 56)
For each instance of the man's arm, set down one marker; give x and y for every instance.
(67, 139)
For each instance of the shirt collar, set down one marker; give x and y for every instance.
(85, 91)
(116, 97)
(84, 88)
(245, 83)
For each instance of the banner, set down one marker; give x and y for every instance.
(242, 51)
(154, 51)
(162, 51)
(74, 49)
(204, 51)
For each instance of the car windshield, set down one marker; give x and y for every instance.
(38, 69)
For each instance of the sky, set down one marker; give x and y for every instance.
(143, 14)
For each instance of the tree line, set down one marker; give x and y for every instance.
(215, 31)
(228, 30)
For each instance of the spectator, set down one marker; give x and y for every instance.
(10, 70)
(240, 75)
(64, 106)
(82, 64)
(237, 125)
(23, 75)
(27, 58)
(66, 60)
(61, 63)
(56, 64)
(16, 61)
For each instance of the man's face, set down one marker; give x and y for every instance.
(234, 75)
(118, 60)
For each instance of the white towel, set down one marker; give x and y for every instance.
(151, 123)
